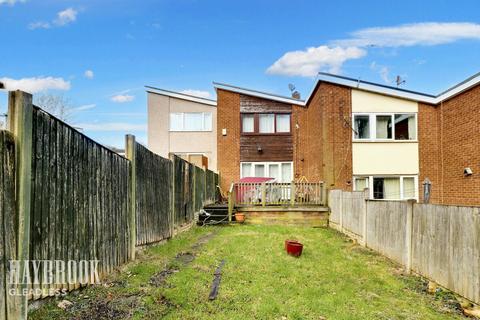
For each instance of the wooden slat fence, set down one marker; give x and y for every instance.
(153, 192)
(279, 194)
(80, 193)
(66, 198)
(7, 223)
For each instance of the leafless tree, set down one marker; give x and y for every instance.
(57, 105)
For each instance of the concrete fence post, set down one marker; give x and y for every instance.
(20, 124)
(366, 196)
(409, 235)
(130, 152)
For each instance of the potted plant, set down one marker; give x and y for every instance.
(240, 217)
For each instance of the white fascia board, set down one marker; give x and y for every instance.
(258, 94)
(459, 88)
(181, 96)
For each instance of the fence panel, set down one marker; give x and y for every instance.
(153, 191)
(8, 305)
(387, 229)
(446, 247)
(81, 200)
(210, 186)
(199, 188)
(183, 191)
(353, 206)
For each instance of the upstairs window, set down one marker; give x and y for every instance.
(397, 126)
(266, 123)
(191, 121)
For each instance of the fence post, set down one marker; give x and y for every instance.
(20, 124)
(130, 151)
(366, 196)
(264, 194)
(324, 200)
(292, 193)
(231, 203)
(409, 234)
(172, 199)
(341, 210)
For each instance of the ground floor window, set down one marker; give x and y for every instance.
(281, 171)
(388, 187)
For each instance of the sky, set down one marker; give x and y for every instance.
(100, 54)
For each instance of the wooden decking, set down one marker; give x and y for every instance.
(294, 216)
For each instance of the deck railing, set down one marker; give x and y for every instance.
(278, 194)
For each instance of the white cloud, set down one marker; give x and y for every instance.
(39, 25)
(426, 34)
(111, 126)
(36, 84)
(10, 2)
(89, 74)
(309, 62)
(86, 107)
(65, 17)
(197, 93)
(121, 98)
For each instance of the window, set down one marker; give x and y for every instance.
(248, 123)
(388, 188)
(360, 183)
(266, 123)
(191, 121)
(405, 127)
(384, 127)
(397, 127)
(176, 121)
(362, 126)
(281, 171)
(283, 123)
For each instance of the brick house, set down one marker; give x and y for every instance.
(353, 134)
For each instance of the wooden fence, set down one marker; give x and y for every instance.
(280, 194)
(153, 195)
(8, 245)
(437, 241)
(65, 198)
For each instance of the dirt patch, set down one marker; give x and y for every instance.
(185, 257)
(203, 240)
(160, 279)
(118, 308)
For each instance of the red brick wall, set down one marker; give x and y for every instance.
(460, 127)
(430, 152)
(228, 147)
(323, 140)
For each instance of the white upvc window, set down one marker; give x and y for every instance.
(388, 187)
(191, 121)
(384, 127)
(281, 171)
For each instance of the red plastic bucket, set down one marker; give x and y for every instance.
(294, 248)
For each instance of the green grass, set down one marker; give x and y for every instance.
(334, 279)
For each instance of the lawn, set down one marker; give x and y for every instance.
(333, 279)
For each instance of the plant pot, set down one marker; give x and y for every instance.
(290, 241)
(240, 217)
(294, 248)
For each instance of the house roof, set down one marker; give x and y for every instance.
(259, 94)
(182, 96)
(361, 85)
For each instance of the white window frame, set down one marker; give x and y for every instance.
(267, 168)
(205, 127)
(372, 117)
(370, 185)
